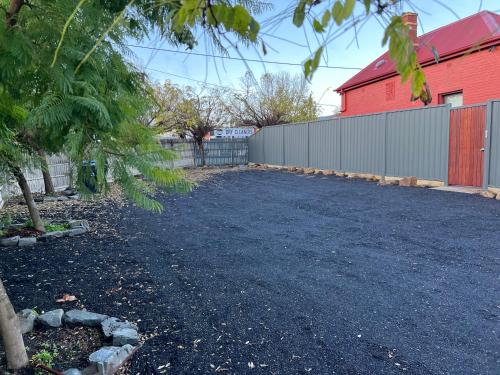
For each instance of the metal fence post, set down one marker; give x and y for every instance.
(447, 157)
(341, 125)
(264, 161)
(232, 152)
(487, 144)
(384, 167)
(283, 144)
(308, 145)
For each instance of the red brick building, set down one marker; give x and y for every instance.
(467, 70)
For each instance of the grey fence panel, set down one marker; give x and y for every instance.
(411, 142)
(230, 151)
(325, 144)
(256, 147)
(273, 145)
(494, 165)
(417, 143)
(218, 152)
(296, 145)
(184, 150)
(363, 139)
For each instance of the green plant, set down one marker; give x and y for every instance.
(56, 227)
(6, 221)
(28, 223)
(45, 357)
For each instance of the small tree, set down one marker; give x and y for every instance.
(11, 334)
(277, 98)
(187, 113)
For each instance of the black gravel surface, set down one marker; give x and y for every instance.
(277, 273)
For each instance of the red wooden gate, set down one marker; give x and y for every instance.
(466, 159)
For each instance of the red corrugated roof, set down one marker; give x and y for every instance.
(480, 29)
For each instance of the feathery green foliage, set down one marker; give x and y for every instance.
(91, 114)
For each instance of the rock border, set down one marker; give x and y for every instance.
(409, 181)
(77, 227)
(66, 195)
(107, 360)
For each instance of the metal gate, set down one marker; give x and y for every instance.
(466, 159)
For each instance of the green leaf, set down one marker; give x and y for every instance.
(317, 57)
(337, 12)
(311, 65)
(307, 68)
(367, 6)
(318, 27)
(417, 84)
(241, 20)
(326, 18)
(300, 13)
(254, 29)
(348, 8)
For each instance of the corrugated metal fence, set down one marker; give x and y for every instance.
(400, 143)
(492, 146)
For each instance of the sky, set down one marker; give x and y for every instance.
(289, 44)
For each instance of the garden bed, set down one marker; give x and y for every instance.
(63, 348)
(24, 235)
(76, 341)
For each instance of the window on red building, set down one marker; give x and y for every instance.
(456, 99)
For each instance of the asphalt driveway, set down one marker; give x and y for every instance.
(277, 273)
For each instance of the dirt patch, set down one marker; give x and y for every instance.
(199, 175)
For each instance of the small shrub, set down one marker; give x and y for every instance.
(56, 227)
(6, 221)
(44, 357)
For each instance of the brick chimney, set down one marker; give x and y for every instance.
(410, 19)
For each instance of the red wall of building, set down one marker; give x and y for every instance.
(476, 74)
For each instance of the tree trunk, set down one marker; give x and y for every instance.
(47, 178)
(28, 197)
(13, 11)
(11, 333)
(201, 146)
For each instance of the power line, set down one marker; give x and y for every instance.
(238, 58)
(213, 84)
(192, 79)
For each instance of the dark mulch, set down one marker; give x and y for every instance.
(21, 231)
(275, 273)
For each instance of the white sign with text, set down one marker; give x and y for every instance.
(233, 132)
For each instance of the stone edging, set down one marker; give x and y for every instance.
(105, 361)
(411, 181)
(77, 227)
